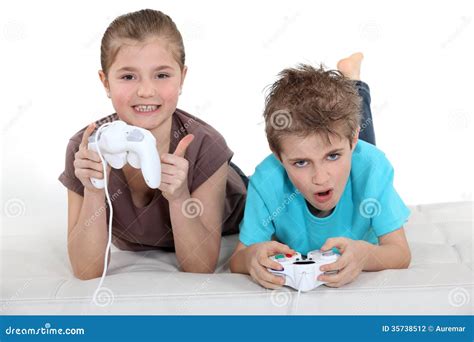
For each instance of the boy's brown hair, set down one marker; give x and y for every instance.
(307, 100)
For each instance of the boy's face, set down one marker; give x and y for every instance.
(144, 83)
(318, 169)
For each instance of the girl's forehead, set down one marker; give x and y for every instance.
(137, 53)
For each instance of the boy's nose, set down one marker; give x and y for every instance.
(320, 177)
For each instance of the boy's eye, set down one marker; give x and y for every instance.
(127, 77)
(300, 163)
(163, 76)
(334, 156)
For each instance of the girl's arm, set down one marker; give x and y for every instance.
(197, 224)
(87, 233)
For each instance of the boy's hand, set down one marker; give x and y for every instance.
(87, 163)
(259, 259)
(351, 263)
(174, 171)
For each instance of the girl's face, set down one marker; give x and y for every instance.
(144, 83)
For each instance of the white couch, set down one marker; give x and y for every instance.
(36, 277)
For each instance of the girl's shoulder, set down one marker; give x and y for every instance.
(185, 123)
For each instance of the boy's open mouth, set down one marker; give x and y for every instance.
(323, 196)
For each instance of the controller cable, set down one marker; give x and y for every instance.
(111, 212)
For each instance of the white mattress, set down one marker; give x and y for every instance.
(36, 277)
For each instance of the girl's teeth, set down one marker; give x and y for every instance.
(146, 108)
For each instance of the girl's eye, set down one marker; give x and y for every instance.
(163, 76)
(127, 77)
(300, 163)
(334, 156)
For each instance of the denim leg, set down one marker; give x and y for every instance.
(367, 132)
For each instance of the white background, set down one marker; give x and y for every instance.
(419, 65)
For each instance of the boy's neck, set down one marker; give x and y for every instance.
(318, 213)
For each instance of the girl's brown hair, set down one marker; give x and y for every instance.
(140, 26)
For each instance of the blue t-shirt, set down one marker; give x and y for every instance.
(368, 208)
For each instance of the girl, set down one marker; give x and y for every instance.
(202, 193)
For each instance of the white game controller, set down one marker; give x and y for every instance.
(301, 274)
(120, 143)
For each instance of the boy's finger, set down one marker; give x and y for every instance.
(86, 135)
(277, 247)
(335, 266)
(337, 242)
(183, 145)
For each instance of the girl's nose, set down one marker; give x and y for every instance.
(146, 89)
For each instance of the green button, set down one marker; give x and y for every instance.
(279, 256)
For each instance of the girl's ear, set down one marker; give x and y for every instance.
(105, 82)
(183, 75)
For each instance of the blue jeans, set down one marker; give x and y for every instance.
(367, 132)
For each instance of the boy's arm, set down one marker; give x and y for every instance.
(359, 255)
(392, 252)
(238, 263)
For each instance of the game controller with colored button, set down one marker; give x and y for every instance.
(302, 273)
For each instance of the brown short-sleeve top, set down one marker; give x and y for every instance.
(149, 227)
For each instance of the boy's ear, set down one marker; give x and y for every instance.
(277, 156)
(355, 139)
(105, 81)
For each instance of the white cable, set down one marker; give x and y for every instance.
(299, 293)
(111, 212)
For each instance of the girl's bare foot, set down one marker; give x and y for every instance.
(350, 66)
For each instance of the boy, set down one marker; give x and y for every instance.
(322, 187)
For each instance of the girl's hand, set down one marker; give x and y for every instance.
(351, 263)
(174, 172)
(87, 163)
(259, 259)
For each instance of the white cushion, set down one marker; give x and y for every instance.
(36, 277)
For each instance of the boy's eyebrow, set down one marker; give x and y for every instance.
(158, 68)
(337, 150)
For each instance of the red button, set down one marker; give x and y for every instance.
(288, 255)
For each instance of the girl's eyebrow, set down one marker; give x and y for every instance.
(158, 68)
